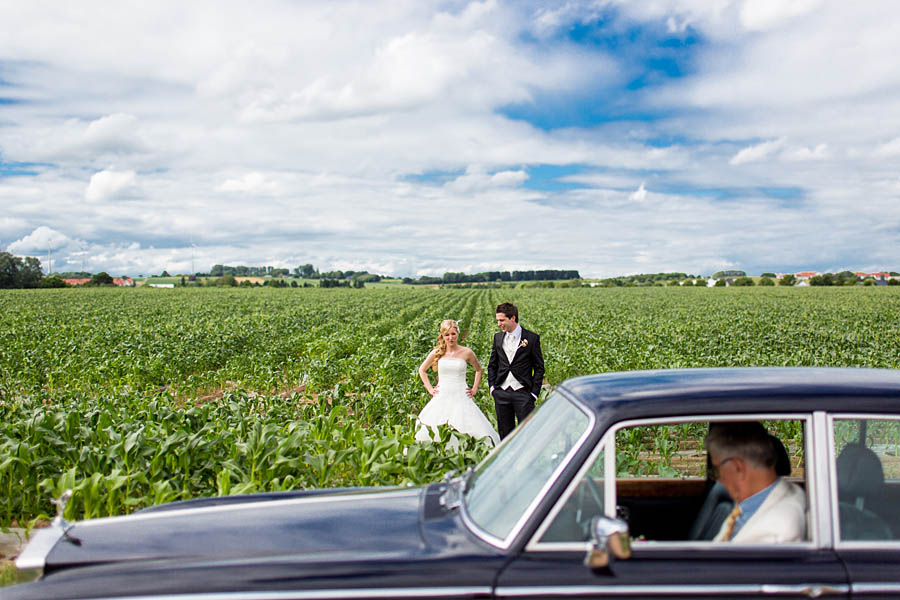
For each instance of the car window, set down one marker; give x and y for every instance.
(867, 465)
(662, 488)
(511, 479)
(572, 521)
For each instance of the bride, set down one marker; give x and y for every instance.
(451, 401)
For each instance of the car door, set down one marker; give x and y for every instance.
(656, 480)
(865, 463)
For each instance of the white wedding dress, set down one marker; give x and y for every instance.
(452, 406)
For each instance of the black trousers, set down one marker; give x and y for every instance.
(511, 406)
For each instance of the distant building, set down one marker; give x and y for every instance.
(119, 281)
(881, 275)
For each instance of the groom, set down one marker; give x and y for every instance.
(515, 370)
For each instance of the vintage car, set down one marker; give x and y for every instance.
(602, 493)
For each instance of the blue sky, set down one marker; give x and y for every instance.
(413, 138)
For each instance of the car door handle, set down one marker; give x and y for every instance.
(808, 590)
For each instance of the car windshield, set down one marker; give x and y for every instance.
(509, 481)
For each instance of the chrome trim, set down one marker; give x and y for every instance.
(720, 590)
(889, 545)
(506, 542)
(448, 592)
(609, 491)
(820, 475)
(317, 499)
(639, 546)
(609, 466)
(892, 589)
(34, 555)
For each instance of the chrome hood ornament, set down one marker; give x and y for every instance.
(60, 504)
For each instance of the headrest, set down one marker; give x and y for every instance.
(859, 472)
(782, 460)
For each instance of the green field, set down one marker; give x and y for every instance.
(134, 397)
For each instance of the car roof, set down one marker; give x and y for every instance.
(740, 389)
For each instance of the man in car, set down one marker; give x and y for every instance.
(768, 509)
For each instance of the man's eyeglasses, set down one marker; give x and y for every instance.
(714, 469)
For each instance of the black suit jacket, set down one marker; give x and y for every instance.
(527, 365)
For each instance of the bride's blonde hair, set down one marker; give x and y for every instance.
(446, 325)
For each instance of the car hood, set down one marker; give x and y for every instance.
(342, 522)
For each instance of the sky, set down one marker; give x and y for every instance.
(416, 137)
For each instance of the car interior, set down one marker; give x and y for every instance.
(664, 493)
(690, 506)
(662, 488)
(868, 504)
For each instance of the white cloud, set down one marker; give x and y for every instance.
(756, 152)
(639, 195)
(289, 132)
(477, 179)
(803, 153)
(110, 185)
(888, 149)
(39, 241)
(676, 25)
(767, 14)
(254, 183)
(113, 133)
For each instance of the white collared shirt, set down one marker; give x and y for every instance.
(516, 335)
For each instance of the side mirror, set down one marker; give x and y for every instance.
(609, 539)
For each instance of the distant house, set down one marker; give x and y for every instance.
(881, 275)
(806, 274)
(119, 281)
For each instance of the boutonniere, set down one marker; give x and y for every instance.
(523, 343)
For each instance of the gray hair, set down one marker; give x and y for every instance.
(746, 439)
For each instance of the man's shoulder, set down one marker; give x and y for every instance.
(785, 497)
(529, 333)
(793, 492)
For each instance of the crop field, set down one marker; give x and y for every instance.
(138, 396)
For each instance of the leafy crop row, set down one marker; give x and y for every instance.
(134, 397)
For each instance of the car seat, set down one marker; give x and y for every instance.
(860, 481)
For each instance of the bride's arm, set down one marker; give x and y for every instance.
(423, 372)
(473, 360)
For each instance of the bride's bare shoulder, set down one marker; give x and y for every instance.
(466, 353)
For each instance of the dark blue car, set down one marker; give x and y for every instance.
(602, 493)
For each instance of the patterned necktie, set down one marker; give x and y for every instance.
(732, 519)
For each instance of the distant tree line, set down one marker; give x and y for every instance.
(643, 279)
(25, 273)
(18, 272)
(245, 271)
(497, 276)
(307, 271)
(847, 278)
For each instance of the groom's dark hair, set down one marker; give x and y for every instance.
(509, 309)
